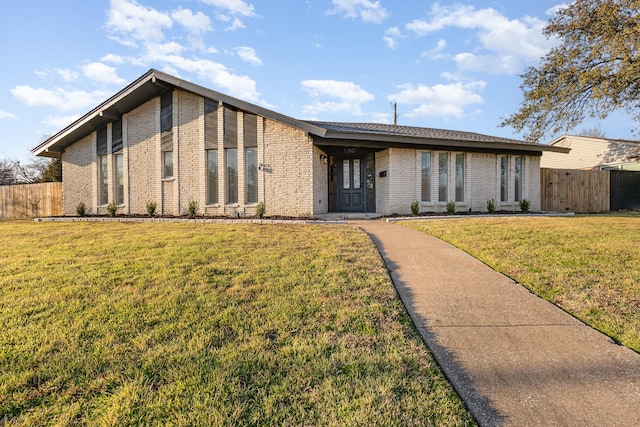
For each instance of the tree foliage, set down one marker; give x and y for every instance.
(37, 170)
(594, 71)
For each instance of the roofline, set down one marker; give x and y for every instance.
(47, 147)
(414, 140)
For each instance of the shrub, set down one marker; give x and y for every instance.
(151, 208)
(415, 207)
(524, 205)
(81, 209)
(261, 209)
(491, 205)
(193, 209)
(451, 207)
(112, 209)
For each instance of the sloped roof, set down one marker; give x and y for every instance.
(153, 83)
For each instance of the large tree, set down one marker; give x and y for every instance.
(594, 71)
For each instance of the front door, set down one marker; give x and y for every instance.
(351, 185)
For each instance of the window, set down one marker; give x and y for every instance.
(251, 178)
(460, 177)
(116, 136)
(212, 177)
(232, 174)
(103, 168)
(517, 179)
(119, 176)
(103, 181)
(504, 179)
(425, 182)
(443, 177)
(166, 131)
(167, 164)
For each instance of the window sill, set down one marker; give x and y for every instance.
(171, 179)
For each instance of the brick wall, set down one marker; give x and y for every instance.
(189, 154)
(289, 159)
(77, 169)
(142, 148)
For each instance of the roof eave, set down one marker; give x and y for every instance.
(412, 140)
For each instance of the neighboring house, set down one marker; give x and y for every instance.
(593, 153)
(165, 140)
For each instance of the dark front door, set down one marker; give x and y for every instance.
(351, 184)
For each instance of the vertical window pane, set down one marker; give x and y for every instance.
(212, 177)
(425, 181)
(232, 175)
(504, 179)
(167, 164)
(356, 173)
(346, 175)
(518, 178)
(443, 177)
(103, 180)
(251, 166)
(459, 177)
(119, 174)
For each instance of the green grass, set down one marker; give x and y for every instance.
(589, 266)
(193, 324)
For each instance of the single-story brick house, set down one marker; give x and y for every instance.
(165, 140)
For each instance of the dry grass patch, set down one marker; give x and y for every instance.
(589, 266)
(193, 324)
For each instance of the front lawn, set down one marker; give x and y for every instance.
(589, 266)
(200, 324)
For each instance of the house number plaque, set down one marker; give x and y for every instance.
(350, 151)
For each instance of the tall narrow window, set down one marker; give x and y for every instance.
(103, 180)
(425, 180)
(250, 127)
(443, 177)
(116, 136)
(211, 147)
(119, 175)
(166, 131)
(504, 178)
(251, 170)
(167, 164)
(517, 178)
(212, 177)
(103, 168)
(346, 175)
(232, 175)
(460, 177)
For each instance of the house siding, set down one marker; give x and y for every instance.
(402, 185)
(142, 145)
(592, 153)
(289, 164)
(78, 161)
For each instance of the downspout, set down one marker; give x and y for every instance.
(264, 178)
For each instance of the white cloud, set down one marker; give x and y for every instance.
(58, 73)
(235, 7)
(197, 23)
(248, 54)
(61, 99)
(100, 72)
(116, 59)
(346, 97)
(61, 121)
(237, 24)
(366, 10)
(506, 45)
(441, 100)
(5, 115)
(139, 23)
(391, 36)
(436, 52)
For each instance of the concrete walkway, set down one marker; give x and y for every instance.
(514, 358)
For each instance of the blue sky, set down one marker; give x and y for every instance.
(447, 64)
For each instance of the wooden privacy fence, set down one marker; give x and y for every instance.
(30, 200)
(572, 190)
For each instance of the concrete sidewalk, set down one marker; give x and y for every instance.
(514, 358)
